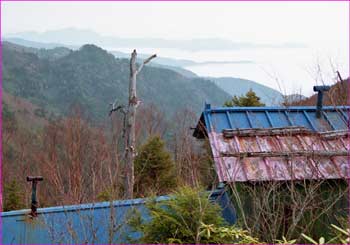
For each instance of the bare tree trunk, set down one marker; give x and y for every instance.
(130, 151)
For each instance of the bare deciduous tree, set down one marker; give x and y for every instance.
(150, 121)
(76, 161)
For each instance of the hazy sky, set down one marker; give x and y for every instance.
(305, 22)
(322, 26)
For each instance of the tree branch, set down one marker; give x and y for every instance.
(145, 62)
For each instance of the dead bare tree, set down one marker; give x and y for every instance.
(130, 151)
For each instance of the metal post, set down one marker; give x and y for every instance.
(320, 90)
(34, 204)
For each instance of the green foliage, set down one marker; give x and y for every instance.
(179, 220)
(154, 168)
(110, 193)
(188, 217)
(13, 196)
(284, 240)
(250, 99)
(341, 236)
(230, 234)
(105, 195)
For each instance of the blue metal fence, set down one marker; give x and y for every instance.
(100, 223)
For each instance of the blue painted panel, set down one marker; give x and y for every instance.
(336, 119)
(298, 119)
(321, 124)
(228, 210)
(239, 120)
(219, 121)
(71, 227)
(86, 223)
(256, 117)
(278, 119)
(13, 230)
(259, 119)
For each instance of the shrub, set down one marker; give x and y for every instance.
(154, 169)
(13, 196)
(188, 217)
(341, 236)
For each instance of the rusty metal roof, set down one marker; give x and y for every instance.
(265, 143)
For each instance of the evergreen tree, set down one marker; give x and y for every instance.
(178, 220)
(154, 169)
(250, 99)
(189, 217)
(13, 196)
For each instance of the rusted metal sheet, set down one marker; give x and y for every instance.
(265, 157)
(277, 143)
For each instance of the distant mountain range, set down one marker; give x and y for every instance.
(164, 61)
(180, 62)
(239, 86)
(34, 44)
(78, 37)
(39, 49)
(233, 86)
(91, 77)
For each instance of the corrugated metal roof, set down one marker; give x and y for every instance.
(217, 119)
(276, 143)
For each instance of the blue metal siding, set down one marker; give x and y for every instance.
(259, 119)
(299, 118)
(322, 124)
(333, 118)
(71, 225)
(279, 119)
(220, 121)
(239, 120)
(336, 119)
(86, 223)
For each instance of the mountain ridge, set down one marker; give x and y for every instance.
(163, 61)
(240, 86)
(75, 36)
(92, 78)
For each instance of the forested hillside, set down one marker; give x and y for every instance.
(92, 78)
(55, 121)
(231, 85)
